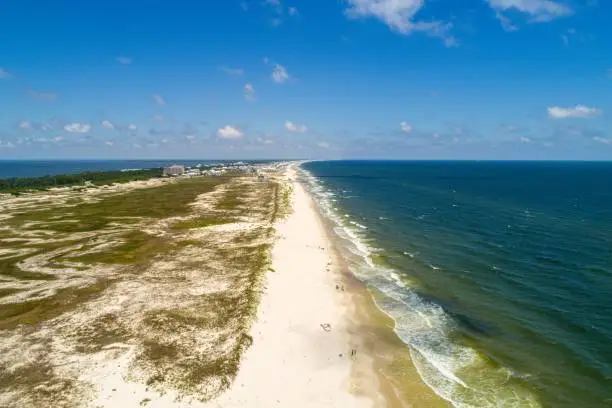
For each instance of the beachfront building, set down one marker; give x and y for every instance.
(174, 170)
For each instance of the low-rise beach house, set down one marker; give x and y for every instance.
(174, 170)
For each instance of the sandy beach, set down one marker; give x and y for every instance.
(154, 336)
(294, 362)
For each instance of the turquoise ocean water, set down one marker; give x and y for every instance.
(498, 274)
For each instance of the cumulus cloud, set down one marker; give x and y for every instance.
(132, 127)
(124, 60)
(159, 100)
(578, 111)
(538, 10)
(107, 125)
(25, 125)
(4, 74)
(405, 127)
(249, 92)
(525, 139)
(295, 128)
(6, 144)
(280, 74)
(602, 140)
(399, 15)
(323, 145)
(76, 127)
(109, 143)
(230, 132)
(265, 140)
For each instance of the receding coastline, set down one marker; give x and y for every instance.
(148, 293)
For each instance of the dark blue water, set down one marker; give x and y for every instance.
(37, 168)
(498, 274)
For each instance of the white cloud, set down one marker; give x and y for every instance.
(159, 100)
(399, 15)
(230, 132)
(293, 127)
(108, 125)
(233, 71)
(292, 11)
(506, 22)
(25, 125)
(280, 74)
(109, 143)
(124, 60)
(76, 127)
(158, 118)
(579, 111)
(524, 139)
(4, 74)
(249, 92)
(405, 127)
(132, 127)
(265, 60)
(58, 138)
(265, 141)
(602, 140)
(323, 145)
(538, 10)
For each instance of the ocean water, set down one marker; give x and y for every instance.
(498, 274)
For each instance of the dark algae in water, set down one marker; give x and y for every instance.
(498, 274)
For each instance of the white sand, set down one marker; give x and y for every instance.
(294, 362)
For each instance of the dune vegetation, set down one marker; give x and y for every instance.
(154, 282)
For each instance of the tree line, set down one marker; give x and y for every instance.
(22, 184)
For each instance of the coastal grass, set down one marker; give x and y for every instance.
(34, 312)
(201, 222)
(20, 185)
(162, 243)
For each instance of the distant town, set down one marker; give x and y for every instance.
(218, 169)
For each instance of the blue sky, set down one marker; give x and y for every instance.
(402, 79)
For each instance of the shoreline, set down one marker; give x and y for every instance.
(296, 359)
(310, 285)
(399, 382)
